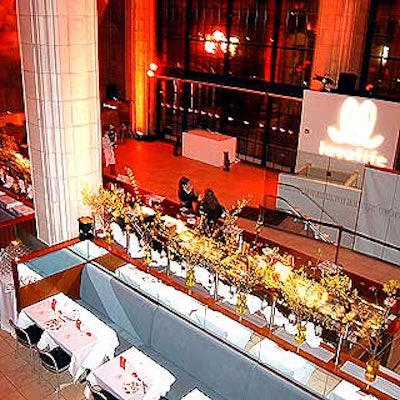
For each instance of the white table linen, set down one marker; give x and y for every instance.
(118, 234)
(88, 250)
(204, 278)
(88, 344)
(179, 225)
(347, 391)
(223, 326)
(229, 295)
(176, 269)
(208, 147)
(168, 295)
(135, 247)
(26, 275)
(233, 331)
(196, 394)
(8, 306)
(284, 361)
(138, 367)
(279, 318)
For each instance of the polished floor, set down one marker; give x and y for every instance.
(19, 377)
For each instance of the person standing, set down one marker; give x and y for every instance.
(108, 149)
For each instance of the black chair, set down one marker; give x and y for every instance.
(27, 337)
(99, 393)
(55, 361)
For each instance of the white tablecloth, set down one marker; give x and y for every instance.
(287, 362)
(346, 391)
(153, 380)
(195, 394)
(208, 147)
(8, 306)
(88, 250)
(88, 344)
(221, 325)
(382, 384)
(229, 329)
(168, 295)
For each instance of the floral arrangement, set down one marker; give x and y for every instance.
(14, 165)
(327, 298)
(391, 287)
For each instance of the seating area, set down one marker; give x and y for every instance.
(203, 353)
(193, 356)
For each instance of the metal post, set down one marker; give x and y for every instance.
(148, 106)
(338, 245)
(272, 316)
(168, 269)
(337, 357)
(128, 236)
(216, 276)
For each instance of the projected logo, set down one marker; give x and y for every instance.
(354, 139)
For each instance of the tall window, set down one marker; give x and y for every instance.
(206, 47)
(296, 42)
(383, 76)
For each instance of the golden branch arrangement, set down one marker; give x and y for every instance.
(19, 167)
(327, 298)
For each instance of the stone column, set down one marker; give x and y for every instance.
(58, 41)
(140, 34)
(340, 37)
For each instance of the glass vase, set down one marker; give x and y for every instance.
(190, 277)
(241, 303)
(371, 369)
(300, 336)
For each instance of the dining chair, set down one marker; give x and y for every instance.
(27, 337)
(55, 361)
(98, 393)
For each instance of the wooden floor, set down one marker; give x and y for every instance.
(158, 170)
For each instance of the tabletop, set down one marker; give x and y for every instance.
(133, 376)
(67, 324)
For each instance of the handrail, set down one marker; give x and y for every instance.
(310, 222)
(311, 199)
(340, 228)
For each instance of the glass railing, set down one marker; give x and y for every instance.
(248, 333)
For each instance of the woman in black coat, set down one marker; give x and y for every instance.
(187, 195)
(211, 207)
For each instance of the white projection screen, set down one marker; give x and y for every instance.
(348, 129)
(379, 215)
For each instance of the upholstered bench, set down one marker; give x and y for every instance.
(195, 357)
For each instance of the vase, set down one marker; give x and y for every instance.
(241, 303)
(371, 370)
(86, 226)
(147, 255)
(300, 336)
(190, 277)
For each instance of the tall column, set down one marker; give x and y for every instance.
(58, 41)
(340, 38)
(141, 24)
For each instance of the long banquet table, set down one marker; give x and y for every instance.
(208, 147)
(76, 330)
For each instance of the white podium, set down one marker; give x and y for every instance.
(208, 147)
